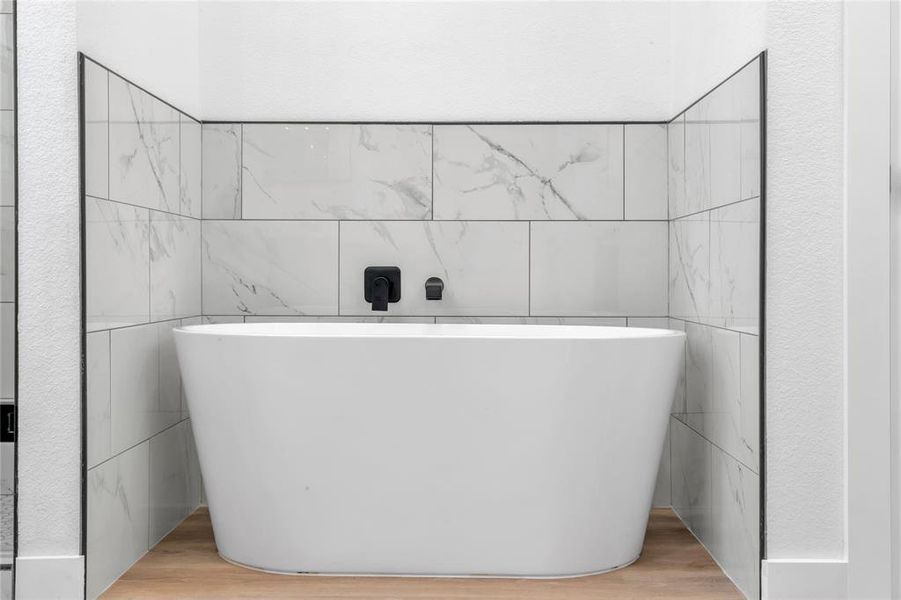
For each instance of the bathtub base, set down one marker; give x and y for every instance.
(427, 575)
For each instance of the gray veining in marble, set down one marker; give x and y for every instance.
(174, 266)
(321, 171)
(528, 172)
(270, 267)
(190, 161)
(734, 266)
(676, 162)
(689, 267)
(221, 188)
(143, 148)
(118, 264)
(118, 516)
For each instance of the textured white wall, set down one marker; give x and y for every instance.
(805, 451)
(154, 43)
(434, 61)
(49, 400)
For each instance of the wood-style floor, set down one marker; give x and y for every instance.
(185, 565)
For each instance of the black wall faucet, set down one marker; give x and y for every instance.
(381, 285)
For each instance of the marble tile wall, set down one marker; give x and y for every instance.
(143, 251)
(714, 178)
(7, 287)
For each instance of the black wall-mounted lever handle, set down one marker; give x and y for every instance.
(381, 286)
(434, 288)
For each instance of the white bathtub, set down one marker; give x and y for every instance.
(503, 450)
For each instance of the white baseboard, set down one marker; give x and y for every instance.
(50, 578)
(804, 580)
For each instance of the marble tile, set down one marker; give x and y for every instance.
(270, 267)
(649, 322)
(715, 407)
(118, 517)
(529, 172)
(713, 150)
(735, 266)
(170, 400)
(676, 161)
(748, 90)
(96, 130)
(190, 167)
(143, 148)
(139, 409)
(7, 254)
(689, 267)
(8, 350)
(221, 187)
(7, 63)
(321, 171)
(214, 319)
(174, 480)
(98, 397)
(337, 319)
(118, 264)
(679, 396)
(750, 400)
(174, 266)
(692, 486)
(663, 487)
(735, 538)
(646, 172)
(485, 266)
(195, 476)
(599, 269)
(7, 158)
(589, 321)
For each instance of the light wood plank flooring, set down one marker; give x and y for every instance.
(185, 565)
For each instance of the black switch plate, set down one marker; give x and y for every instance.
(7, 422)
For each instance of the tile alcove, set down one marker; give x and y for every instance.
(629, 224)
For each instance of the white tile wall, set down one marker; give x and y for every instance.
(528, 172)
(7, 69)
(174, 480)
(118, 517)
(221, 171)
(714, 295)
(190, 167)
(118, 264)
(143, 246)
(270, 267)
(646, 172)
(599, 269)
(734, 257)
(485, 266)
(174, 266)
(7, 158)
(98, 400)
(143, 148)
(96, 130)
(322, 171)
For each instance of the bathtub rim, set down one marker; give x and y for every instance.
(337, 330)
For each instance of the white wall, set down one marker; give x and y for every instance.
(154, 43)
(49, 401)
(434, 61)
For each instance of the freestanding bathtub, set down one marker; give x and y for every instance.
(483, 450)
